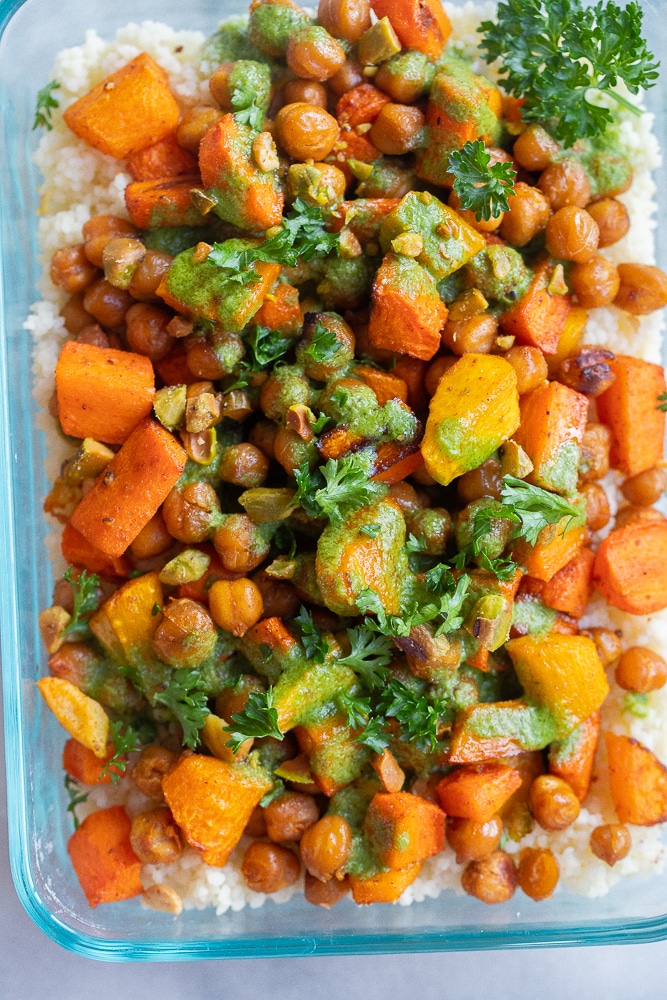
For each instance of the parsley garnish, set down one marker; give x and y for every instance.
(662, 402)
(324, 344)
(336, 489)
(369, 655)
(372, 530)
(554, 54)
(357, 708)
(447, 609)
(185, 699)
(45, 106)
(374, 735)
(482, 188)
(267, 345)
(86, 599)
(530, 507)
(125, 740)
(315, 644)
(76, 797)
(244, 108)
(416, 715)
(258, 719)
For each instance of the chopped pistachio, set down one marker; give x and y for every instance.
(52, 624)
(348, 245)
(504, 341)
(188, 566)
(203, 201)
(408, 244)
(169, 405)
(162, 898)
(362, 171)
(202, 412)
(264, 152)
(89, 460)
(120, 258)
(281, 568)
(201, 252)
(514, 461)
(300, 418)
(490, 620)
(235, 405)
(263, 504)
(379, 42)
(557, 284)
(202, 446)
(466, 305)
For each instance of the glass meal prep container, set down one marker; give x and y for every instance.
(39, 824)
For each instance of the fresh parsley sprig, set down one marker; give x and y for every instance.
(337, 489)
(259, 718)
(46, 105)
(531, 508)
(315, 644)
(369, 655)
(555, 54)
(445, 611)
(324, 344)
(481, 187)
(187, 702)
(86, 600)
(125, 740)
(266, 346)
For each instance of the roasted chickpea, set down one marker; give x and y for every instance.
(289, 816)
(612, 219)
(529, 212)
(148, 275)
(535, 148)
(291, 451)
(71, 270)
(97, 232)
(346, 19)
(106, 303)
(491, 879)
(565, 183)
(640, 669)
(594, 458)
(553, 803)
(243, 465)
(214, 355)
(74, 315)
(150, 768)
(235, 605)
(326, 846)
(587, 370)
(611, 842)
(191, 514)
(314, 54)
(481, 225)
(572, 234)
(476, 335)
(471, 840)
(631, 515)
(305, 92)
(93, 334)
(406, 497)
(146, 330)
(397, 129)
(595, 283)
(269, 867)
(643, 289)
(153, 539)
(263, 435)
(434, 526)
(348, 76)
(194, 125)
(241, 544)
(256, 825)
(598, 512)
(306, 132)
(529, 366)
(646, 487)
(279, 596)
(538, 872)
(155, 837)
(484, 481)
(607, 643)
(325, 894)
(186, 634)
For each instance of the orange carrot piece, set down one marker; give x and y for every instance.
(637, 780)
(629, 408)
(163, 202)
(129, 492)
(553, 421)
(102, 393)
(78, 551)
(538, 318)
(271, 632)
(630, 569)
(554, 549)
(407, 314)
(468, 747)
(173, 369)
(385, 385)
(281, 310)
(103, 859)
(82, 764)
(384, 887)
(400, 469)
(404, 828)
(572, 758)
(164, 158)
(575, 324)
(351, 146)
(477, 791)
(360, 105)
(419, 24)
(131, 109)
(570, 589)
(212, 801)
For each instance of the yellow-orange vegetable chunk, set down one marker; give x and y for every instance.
(553, 421)
(630, 569)
(131, 613)
(404, 828)
(629, 407)
(82, 717)
(477, 792)
(384, 887)
(103, 859)
(638, 781)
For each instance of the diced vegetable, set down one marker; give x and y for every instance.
(572, 758)
(539, 317)
(163, 202)
(631, 402)
(423, 26)
(103, 859)
(82, 717)
(477, 792)
(630, 569)
(553, 421)
(403, 828)
(407, 313)
(638, 781)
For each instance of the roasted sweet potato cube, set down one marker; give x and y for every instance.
(164, 201)
(407, 314)
(553, 421)
(629, 404)
(572, 758)
(478, 791)
(384, 887)
(638, 781)
(538, 318)
(103, 859)
(419, 24)
(404, 828)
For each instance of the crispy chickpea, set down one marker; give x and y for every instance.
(305, 131)
(155, 837)
(305, 92)
(572, 234)
(241, 544)
(243, 465)
(279, 596)
(553, 803)
(74, 315)
(325, 894)
(631, 515)
(612, 219)
(492, 879)
(348, 76)
(191, 514)
(434, 526)
(476, 335)
(235, 605)
(106, 303)
(528, 214)
(565, 183)
(535, 148)
(218, 84)
(93, 334)
(484, 481)
(148, 275)
(194, 125)
(152, 540)
(97, 232)
(346, 19)
(256, 825)
(71, 270)
(314, 54)
(529, 366)
(289, 816)
(646, 487)
(598, 511)
(587, 370)
(150, 768)
(607, 643)
(611, 842)
(595, 283)
(397, 129)
(186, 634)
(405, 496)
(640, 669)
(263, 435)
(643, 289)
(594, 458)
(436, 370)
(269, 867)
(291, 451)
(326, 846)
(471, 840)
(215, 355)
(538, 872)
(146, 330)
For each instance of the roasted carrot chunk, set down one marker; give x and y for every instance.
(572, 758)
(78, 551)
(630, 569)
(478, 791)
(131, 109)
(281, 310)
(638, 781)
(164, 201)
(407, 314)
(164, 158)
(556, 545)
(538, 318)
(419, 24)
(570, 589)
(404, 828)
(553, 421)
(360, 105)
(84, 766)
(384, 887)
(103, 859)
(631, 403)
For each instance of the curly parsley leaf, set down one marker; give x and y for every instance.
(356, 708)
(320, 423)
(531, 507)
(258, 719)
(445, 612)
(46, 105)
(483, 188)
(418, 717)
(266, 345)
(76, 797)
(337, 489)
(126, 739)
(324, 344)
(369, 655)
(315, 644)
(86, 600)
(374, 735)
(187, 702)
(244, 108)
(555, 54)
